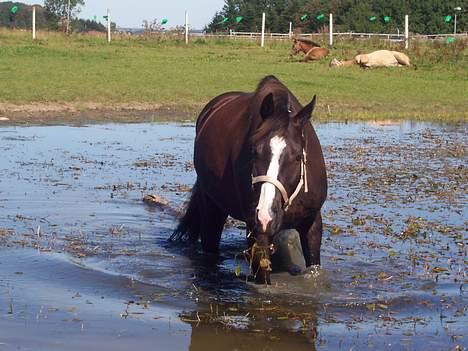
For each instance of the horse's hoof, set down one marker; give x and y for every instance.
(295, 270)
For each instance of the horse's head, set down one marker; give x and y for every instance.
(303, 45)
(278, 171)
(296, 47)
(361, 59)
(335, 62)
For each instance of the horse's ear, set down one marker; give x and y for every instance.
(268, 108)
(306, 112)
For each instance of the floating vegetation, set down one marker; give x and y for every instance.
(394, 252)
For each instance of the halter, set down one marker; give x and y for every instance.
(302, 182)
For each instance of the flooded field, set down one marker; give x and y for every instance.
(85, 263)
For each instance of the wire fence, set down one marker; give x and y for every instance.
(397, 37)
(187, 33)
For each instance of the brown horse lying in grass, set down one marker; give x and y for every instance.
(311, 50)
(379, 58)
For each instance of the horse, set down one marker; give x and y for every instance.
(379, 58)
(311, 49)
(258, 159)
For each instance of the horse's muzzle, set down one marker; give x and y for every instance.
(269, 223)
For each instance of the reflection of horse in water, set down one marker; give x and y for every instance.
(311, 50)
(230, 330)
(379, 58)
(384, 123)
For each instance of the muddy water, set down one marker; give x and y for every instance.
(82, 255)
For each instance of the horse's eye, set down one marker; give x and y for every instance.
(299, 158)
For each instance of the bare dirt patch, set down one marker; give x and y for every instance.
(89, 112)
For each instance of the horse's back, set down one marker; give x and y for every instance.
(215, 104)
(316, 53)
(379, 58)
(221, 137)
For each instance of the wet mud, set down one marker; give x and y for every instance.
(74, 229)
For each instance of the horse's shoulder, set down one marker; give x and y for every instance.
(214, 105)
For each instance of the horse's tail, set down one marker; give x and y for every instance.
(189, 223)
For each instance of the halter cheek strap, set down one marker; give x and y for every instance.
(302, 182)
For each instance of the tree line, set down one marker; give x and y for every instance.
(51, 16)
(376, 16)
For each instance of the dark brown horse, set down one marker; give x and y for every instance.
(311, 50)
(257, 159)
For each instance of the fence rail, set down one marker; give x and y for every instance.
(285, 36)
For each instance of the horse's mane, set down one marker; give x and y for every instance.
(308, 41)
(271, 84)
(270, 125)
(282, 98)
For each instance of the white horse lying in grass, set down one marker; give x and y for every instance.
(380, 58)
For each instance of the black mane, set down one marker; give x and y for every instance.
(281, 95)
(282, 99)
(308, 41)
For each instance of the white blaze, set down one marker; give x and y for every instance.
(267, 194)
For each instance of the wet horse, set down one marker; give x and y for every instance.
(257, 159)
(311, 50)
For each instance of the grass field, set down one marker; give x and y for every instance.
(83, 70)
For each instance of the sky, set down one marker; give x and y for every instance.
(132, 13)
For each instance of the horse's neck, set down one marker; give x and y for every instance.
(306, 48)
(348, 63)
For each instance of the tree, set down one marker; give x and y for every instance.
(58, 11)
(84, 25)
(426, 17)
(22, 18)
(152, 26)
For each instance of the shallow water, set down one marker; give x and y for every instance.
(394, 252)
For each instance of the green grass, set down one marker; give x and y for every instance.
(80, 70)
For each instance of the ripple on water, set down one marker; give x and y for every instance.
(394, 241)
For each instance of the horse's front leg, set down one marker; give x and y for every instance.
(212, 224)
(311, 240)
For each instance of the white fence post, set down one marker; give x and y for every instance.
(406, 32)
(455, 24)
(263, 31)
(34, 22)
(108, 26)
(186, 28)
(290, 30)
(331, 29)
(68, 17)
